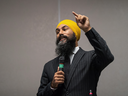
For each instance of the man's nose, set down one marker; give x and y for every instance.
(61, 32)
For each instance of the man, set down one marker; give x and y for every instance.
(80, 77)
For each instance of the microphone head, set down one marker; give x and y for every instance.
(61, 59)
(61, 63)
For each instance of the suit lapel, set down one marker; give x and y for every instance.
(55, 64)
(74, 64)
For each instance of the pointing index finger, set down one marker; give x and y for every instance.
(75, 13)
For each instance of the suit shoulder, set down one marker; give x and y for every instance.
(91, 52)
(51, 62)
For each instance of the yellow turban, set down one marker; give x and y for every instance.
(73, 26)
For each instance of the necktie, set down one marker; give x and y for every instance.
(66, 67)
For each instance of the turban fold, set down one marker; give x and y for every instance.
(73, 26)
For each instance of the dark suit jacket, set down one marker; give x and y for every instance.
(84, 70)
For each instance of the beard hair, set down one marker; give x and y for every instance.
(65, 48)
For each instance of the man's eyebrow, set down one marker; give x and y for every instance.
(61, 28)
(57, 29)
(64, 26)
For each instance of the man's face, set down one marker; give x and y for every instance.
(66, 40)
(63, 33)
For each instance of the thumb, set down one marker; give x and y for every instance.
(58, 69)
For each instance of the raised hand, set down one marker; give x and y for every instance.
(82, 21)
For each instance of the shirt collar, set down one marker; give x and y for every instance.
(75, 50)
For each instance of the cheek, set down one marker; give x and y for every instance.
(71, 35)
(57, 36)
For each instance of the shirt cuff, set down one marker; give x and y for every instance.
(53, 88)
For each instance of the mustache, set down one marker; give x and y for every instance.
(62, 36)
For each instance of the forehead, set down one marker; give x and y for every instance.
(61, 26)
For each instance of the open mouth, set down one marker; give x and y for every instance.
(62, 39)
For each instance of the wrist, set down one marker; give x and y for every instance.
(53, 85)
(87, 29)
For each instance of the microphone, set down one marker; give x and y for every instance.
(61, 63)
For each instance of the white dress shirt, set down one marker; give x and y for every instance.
(73, 53)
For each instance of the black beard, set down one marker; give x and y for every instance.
(67, 47)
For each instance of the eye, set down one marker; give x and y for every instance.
(65, 28)
(57, 31)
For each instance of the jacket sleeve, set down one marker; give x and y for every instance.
(45, 83)
(103, 55)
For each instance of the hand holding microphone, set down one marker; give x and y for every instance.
(59, 76)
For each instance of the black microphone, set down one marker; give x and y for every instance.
(61, 63)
